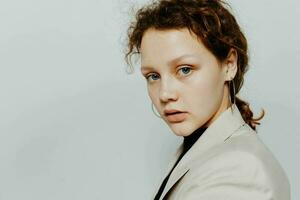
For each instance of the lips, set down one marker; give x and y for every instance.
(176, 116)
(171, 111)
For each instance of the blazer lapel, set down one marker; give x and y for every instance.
(221, 129)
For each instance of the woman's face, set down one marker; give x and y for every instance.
(182, 74)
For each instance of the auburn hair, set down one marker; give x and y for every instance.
(211, 21)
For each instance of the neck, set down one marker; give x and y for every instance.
(192, 138)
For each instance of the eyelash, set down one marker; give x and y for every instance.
(186, 67)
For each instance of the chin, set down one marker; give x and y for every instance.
(181, 129)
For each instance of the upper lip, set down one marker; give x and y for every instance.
(171, 111)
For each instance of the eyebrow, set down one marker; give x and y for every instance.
(171, 62)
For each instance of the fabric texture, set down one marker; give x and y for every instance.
(188, 142)
(228, 162)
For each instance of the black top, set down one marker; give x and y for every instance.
(188, 142)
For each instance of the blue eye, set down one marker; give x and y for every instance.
(185, 70)
(151, 75)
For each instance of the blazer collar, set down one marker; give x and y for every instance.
(221, 129)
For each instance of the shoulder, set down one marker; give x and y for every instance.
(235, 175)
(236, 164)
(241, 161)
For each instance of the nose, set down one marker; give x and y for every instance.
(168, 91)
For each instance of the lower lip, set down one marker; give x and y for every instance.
(179, 117)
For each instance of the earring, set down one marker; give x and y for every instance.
(154, 111)
(232, 91)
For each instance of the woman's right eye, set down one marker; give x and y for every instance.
(152, 75)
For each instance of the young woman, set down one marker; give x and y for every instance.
(194, 57)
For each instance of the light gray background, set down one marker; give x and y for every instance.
(74, 125)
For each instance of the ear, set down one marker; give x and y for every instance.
(230, 65)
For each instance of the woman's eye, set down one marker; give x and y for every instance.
(185, 70)
(154, 76)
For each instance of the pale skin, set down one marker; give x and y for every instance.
(182, 74)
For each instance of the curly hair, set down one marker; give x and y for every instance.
(211, 21)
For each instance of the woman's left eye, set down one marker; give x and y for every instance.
(185, 70)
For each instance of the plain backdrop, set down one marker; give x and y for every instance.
(74, 125)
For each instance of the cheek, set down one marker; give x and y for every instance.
(207, 91)
(153, 94)
(150, 93)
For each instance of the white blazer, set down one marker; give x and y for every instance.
(228, 162)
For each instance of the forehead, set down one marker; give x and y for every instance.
(168, 46)
(172, 39)
(170, 62)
